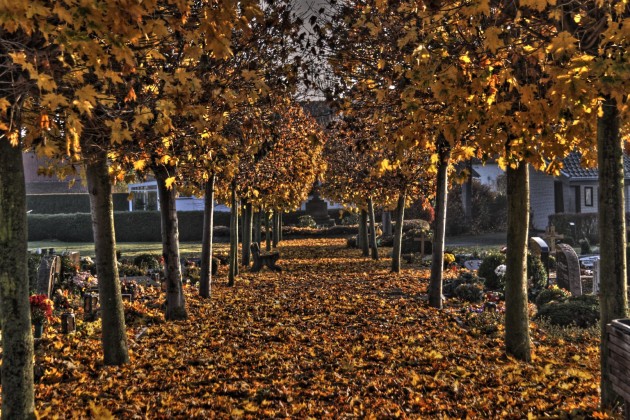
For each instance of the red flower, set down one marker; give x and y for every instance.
(41, 308)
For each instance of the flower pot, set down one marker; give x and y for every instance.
(39, 329)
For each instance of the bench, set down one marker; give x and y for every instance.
(267, 258)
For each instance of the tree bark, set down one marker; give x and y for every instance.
(258, 229)
(205, 282)
(248, 216)
(437, 262)
(267, 232)
(276, 226)
(175, 302)
(15, 313)
(400, 219)
(114, 333)
(280, 217)
(373, 243)
(613, 300)
(386, 221)
(517, 342)
(363, 233)
(233, 272)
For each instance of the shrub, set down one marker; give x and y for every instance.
(585, 225)
(585, 246)
(581, 311)
(552, 262)
(306, 221)
(192, 273)
(350, 219)
(130, 270)
(147, 261)
(553, 293)
(486, 271)
(465, 277)
(536, 272)
(489, 211)
(470, 292)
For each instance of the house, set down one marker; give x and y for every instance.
(574, 191)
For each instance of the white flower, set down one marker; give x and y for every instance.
(500, 270)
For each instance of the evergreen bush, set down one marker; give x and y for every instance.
(486, 271)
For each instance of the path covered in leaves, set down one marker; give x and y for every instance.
(334, 335)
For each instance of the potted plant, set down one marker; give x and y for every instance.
(41, 310)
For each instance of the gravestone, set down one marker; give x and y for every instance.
(47, 273)
(596, 277)
(386, 221)
(74, 257)
(318, 210)
(472, 264)
(568, 270)
(539, 248)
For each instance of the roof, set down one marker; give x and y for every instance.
(55, 187)
(574, 170)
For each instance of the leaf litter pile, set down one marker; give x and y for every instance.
(334, 335)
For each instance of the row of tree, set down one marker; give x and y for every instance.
(196, 94)
(435, 83)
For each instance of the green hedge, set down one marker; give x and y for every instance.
(135, 226)
(585, 226)
(69, 203)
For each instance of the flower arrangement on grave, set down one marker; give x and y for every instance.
(61, 299)
(130, 287)
(41, 308)
(500, 270)
(82, 281)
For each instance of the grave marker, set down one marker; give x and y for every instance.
(568, 271)
(47, 273)
(551, 235)
(540, 249)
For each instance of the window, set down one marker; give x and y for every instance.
(588, 196)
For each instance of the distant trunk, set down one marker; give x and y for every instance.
(363, 233)
(517, 341)
(175, 303)
(373, 243)
(400, 219)
(386, 221)
(613, 301)
(267, 232)
(258, 229)
(280, 217)
(437, 262)
(205, 282)
(15, 311)
(276, 226)
(114, 333)
(248, 221)
(233, 272)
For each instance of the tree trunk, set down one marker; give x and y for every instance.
(248, 216)
(386, 221)
(175, 303)
(205, 282)
(437, 262)
(363, 233)
(276, 225)
(280, 217)
(233, 238)
(400, 219)
(373, 243)
(15, 312)
(613, 300)
(114, 333)
(267, 232)
(258, 230)
(517, 342)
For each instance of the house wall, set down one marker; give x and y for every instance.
(583, 186)
(541, 198)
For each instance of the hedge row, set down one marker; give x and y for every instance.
(136, 226)
(69, 203)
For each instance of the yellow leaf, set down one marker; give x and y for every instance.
(139, 164)
(169, 182)
(464, 58)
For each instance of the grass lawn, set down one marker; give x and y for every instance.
(128, 249)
